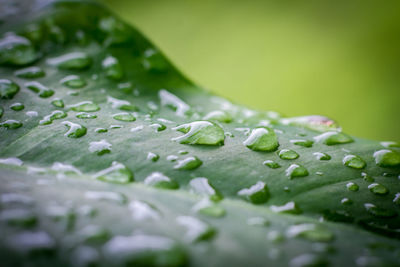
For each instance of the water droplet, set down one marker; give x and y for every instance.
(197, 230)
(16, 50)
(200, 133)
(352, 186)
(74, 130)
(11, 124)
(379, 212)
(32, 242)
(218, 115)
(73, 81)
(387, 158)
(189, 163)
(9, 199)
(346, 201)
(262, 139)
(1, 111)
(296, 170)
(288, 154)
(378, 189)
(85, 106)
(30, 73)
(58, 103)
(124, 116)
(390, 144)
(321, 156)
(8, 89)
(106, 196)
(100, 148)
(396, 199)
(209, 208)
(87, 116)
(258, 221)
(333, 138)
(17, 106)
(101, 130)
(71, 61)
(65, 168)
(62, 214)
(201, 186)
(354, 162)
(290, 207)
(121, 104)
(256, 194)
(112, 68)
(311, 232)
(54, 115)
(125, 87)
(301, 142)
(154, 61)
(93, 234)
(275, 236)
(18, 217)
(159, 180)
(142, 211)
(171, 100)
(117, 173)
(305, 260)
(153, 156)
(11, 161)
(158, 127)
(40, 89)
(144, 250)
(272, 164)
(367, 178)
(315, 122)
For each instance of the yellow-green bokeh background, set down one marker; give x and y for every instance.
(335, 58)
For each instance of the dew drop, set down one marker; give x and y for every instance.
(200, 133)
(387, 158)
(18, 217)
(296, 170)
(40, 89)
(321, 156)
(153, 61)
(379, 212)
(189, 163)
(16, 50)
(101, 130)
(201, 186)
(218, 115)
(74, 130)
(311, 232)
(117, 173)
(65, 168)
(171, 100)
(17, 106)
(124, 116)
(71, 61)
(121, 104)
(106, 196)
(142, 211)
(197, 230)
(158, 127)
(354, 162)
(58, 103)
(8, 89)
(272, 164)
(11, 124)
(352, 186)
(333, 138)
(100, 148)
(262, 139)
(85, 106)
(30, 73)
(9, 199)
(396, 199)
(32, 242)
(93, 234)
(73, 81)
(288, 154)
(11, 161)
(346, 201)
(54, 115)
(208, 208)
(378, 189)
(159, 180)
(301, 142)
(153, 156)
(290, 207)
(390, 144)
(256, 194)
(84, 115)
(258, 221)
(112, 68)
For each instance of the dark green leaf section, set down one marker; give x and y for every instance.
(108, 106)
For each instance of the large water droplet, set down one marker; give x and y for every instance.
(157, 179)
(288, 154)
(121, 104)
(379, 212)
(40, 89)
(8, 89)
(218, 115)
(333, 138)
(354, 162)
(387, 158)
(296, 170)
(124, 116)
(17, 106)
(16, 50)
(201, 186)
(112, 68)
(117, 173)
(290, 207)
(54, 115)
(11, 124)
(197, 230)
(257, 193)
(71, 61)
(85, 106)
(311, 232)
(30, 73)
(73, 81)
(262, 139)
(153, 156)
(74, 130)
(200, 133)
(321, 156)
(171, 100)
(142, 211)
(100, 148)
(189, 163)
(378, 189)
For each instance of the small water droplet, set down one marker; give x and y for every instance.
(65, 168)
(346, 201)
(396, 199)
(352, 186)
(73, 81)
(378, 189)
(189, 163)
(200, 133)
(209, 208)
(256, 194)
(8, 89)
(296, 170)
(201, 186)
(106, 196)
(272, 164)
(288, 154)
(54, 115)
(93, 234)
(84, 115)
(379, 212)
(158, 127)
(17, 106)
(321, 156)
(367, 178)
(311, 232)
(16, 50)
(74, 130)
(258, 221)
(142, 211)
(275, 236)
(354, 162)
(30, 73)
(387, 158)
(218, 115)
(124, 116)
(85, 106)
(262, 139)
(59, 103)
(154, 61)
(10, 199)
(112, 68)
(117, 173)
(159, 180)
(31, 242)
(153, 156)
(71, 61)
(101, 130)
(11, 124)
(333, 138)
(40, 89)
(18, 217)
(121, 104)
(31, 113)
(137, 128)
(390, 144)
(290, 207)
(100, 148)
(11, 161)
(197, 230)
(171, 100)
(301, 142)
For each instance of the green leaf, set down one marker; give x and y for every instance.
(118, 159)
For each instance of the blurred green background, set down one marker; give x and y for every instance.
(340, 59)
